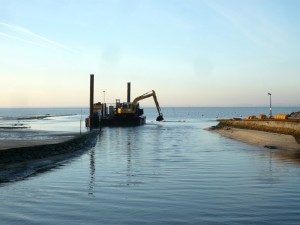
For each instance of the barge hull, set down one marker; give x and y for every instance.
(118, 121)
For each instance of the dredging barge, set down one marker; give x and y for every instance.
(121, 114)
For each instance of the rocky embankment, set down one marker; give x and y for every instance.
(280, 127)
(290, 126)
(19, 163)
(78, 143)
(295, 115)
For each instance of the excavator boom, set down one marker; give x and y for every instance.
(147, 95)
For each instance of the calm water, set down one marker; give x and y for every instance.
(172, 172)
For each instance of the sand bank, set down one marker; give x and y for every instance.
(284, 147)
(260, 138)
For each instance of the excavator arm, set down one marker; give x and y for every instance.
(147, 95)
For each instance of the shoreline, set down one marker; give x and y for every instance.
(261, 138)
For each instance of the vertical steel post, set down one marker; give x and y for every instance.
(91, 99)
(128, 92)
(270, 104)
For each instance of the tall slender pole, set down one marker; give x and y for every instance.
(128, 91)
(270, 104)
(91, 99)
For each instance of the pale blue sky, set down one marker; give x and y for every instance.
(192, 53)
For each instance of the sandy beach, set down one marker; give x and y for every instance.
(260, 138)
(283, 147)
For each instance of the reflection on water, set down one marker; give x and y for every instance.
(92, 171)
(289, 156)
(19, 171)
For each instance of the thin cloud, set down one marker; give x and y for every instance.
(20, 39)
(29, 33)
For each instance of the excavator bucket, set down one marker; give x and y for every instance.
(159, 118)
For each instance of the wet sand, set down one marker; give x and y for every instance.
(260, 138)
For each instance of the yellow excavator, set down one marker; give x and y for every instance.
(133, 107)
